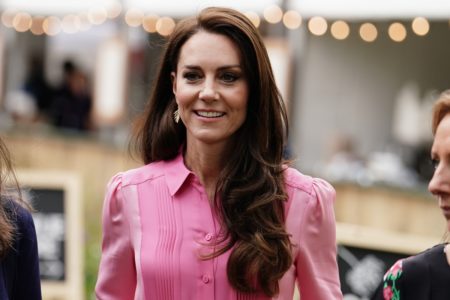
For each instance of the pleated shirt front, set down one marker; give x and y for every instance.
(158, 222)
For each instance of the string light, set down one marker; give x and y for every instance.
(397, 32)
(254, 18)
(36, 26)
(273, 14)
(115, 10)
(292, 19)
(340, 30)
(51, 26)
(134, 17)
(149, 23)
(420, 26)
(165, 26)
(97, 15)
(71, 24)
(8, 17)
(22, 21)
(368, 32)
(317, 26)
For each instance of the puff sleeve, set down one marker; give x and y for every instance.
(316, 264)
(117, 272)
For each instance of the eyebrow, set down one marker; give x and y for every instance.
(220, 68)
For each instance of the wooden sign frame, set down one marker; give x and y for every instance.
(72, 287)
(382, 240)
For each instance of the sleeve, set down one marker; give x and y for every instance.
(117, 272)
(392, 282)
(28, 260)
(316, 263)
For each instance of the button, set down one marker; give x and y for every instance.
(205, 279)
(208, 237)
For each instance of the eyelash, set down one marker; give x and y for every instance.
(229, 77)
(434, 162)
(225, 77)
(191, 76)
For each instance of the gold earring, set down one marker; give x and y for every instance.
(176, 116)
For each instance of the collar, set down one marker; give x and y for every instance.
(176, 173)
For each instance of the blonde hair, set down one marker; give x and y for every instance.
(440, 109)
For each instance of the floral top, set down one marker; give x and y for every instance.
(425, 276)
(390, 288)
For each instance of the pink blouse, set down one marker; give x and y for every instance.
(157, 221)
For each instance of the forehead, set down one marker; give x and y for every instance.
(207, 47)
(442, 136)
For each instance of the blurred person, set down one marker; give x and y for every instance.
(216, 213)
(426, 276)
(37, 86)
(72, 101)
(19, 261)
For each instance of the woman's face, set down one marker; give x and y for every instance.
(440, 154)
(210, 88)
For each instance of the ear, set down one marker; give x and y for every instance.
(173, 78)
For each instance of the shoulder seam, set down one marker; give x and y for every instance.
(137, 182)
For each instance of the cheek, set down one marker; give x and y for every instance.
(185, 95)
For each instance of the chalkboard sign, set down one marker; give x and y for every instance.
(55, 197)
(365, 254)
(49, 220)
(361, 270)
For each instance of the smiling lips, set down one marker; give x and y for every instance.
(446, 211)
(209, 114)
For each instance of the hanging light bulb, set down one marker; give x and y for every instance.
(368, 32)
(292, 19)
(317, 26)
(340, 30)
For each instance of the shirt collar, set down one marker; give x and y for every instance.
(176, 173)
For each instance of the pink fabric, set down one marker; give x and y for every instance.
(157, 222)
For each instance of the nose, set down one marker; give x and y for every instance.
(208, 92)
(440, 183)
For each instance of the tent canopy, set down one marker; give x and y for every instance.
(346, 9)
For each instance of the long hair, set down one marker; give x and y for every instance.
(8, 181)
(250, 192)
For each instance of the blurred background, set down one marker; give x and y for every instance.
(359, 78)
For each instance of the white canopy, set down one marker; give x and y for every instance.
(373, 9)
(173, 8)
(347, 9)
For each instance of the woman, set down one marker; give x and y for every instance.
(215, 214)
(19, 262)
(427, 275)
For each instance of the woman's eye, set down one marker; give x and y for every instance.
(434, 162)
(191, 76)
(229, 77)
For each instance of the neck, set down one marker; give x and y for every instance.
(205, 161)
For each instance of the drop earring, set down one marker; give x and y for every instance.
(176, 116)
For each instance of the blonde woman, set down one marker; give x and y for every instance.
(426, 276)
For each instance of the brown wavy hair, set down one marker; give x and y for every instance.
(9, 191)
(250, 193)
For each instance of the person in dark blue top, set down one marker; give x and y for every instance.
(19, 261)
